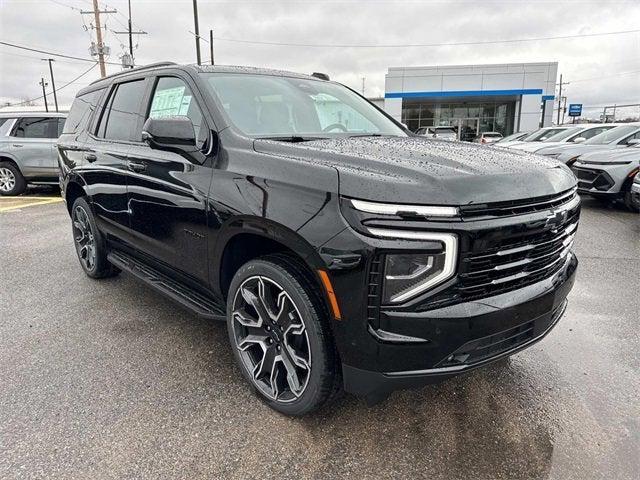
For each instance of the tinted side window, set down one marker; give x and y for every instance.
(61, 122)
(172, 97)
(122, 120)
(635, 136)
(593, 132)
(81, 110)
(36, 127)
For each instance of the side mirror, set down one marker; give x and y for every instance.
(174, 134)
(579, 140)
(633, 141)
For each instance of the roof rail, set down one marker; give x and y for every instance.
(320, 75)
(143, 67)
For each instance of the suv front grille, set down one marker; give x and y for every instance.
(503, 259)
(589, 178)
(515, 264)
(517, 207)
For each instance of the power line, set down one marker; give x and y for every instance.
(408, 45)
(31, 49)
(58, 89)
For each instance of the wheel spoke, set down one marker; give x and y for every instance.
(292, 374)
(255, 336)
(257, 301)
(265, 366)
(242, 317)
(287, 317)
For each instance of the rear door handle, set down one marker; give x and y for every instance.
(18, 145)
(136, 166)
(90, 157)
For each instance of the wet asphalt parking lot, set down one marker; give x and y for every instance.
(107, 379)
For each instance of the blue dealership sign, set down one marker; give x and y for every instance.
(575, 109)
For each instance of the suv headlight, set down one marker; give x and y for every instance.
(407, 275)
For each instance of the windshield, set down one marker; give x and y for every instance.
(269, 106)
(542, 134)
(513, 136)
(564, 134)
(612, 135)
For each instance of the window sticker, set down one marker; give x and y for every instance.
(169, 102)
(184, 105)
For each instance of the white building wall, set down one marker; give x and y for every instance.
(530, 82)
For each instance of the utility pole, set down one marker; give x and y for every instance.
(101, 49)
(363, 79)
(197, 30)
(211, 45)
(53, 82)
(44, 93)
(560, 97)
(130, 34)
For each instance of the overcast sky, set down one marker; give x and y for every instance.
(602, 70)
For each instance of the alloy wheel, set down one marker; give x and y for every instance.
(271, 337)
(7, 180)
(84, 238)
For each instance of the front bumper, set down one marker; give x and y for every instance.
(465, 336)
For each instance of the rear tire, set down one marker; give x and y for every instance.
(279, 332)
(11, 180)
(89, 242)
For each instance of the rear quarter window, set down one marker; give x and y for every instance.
(5, 126)
(123, 115)
(81, 111)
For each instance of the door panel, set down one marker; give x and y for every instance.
(32, 143)
(104, 169)
(167, 202)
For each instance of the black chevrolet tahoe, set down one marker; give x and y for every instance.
(344, 252)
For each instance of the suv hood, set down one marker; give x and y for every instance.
(425, 171)
(609, 156)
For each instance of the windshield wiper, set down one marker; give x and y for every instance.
(292, 138)
(366, 135)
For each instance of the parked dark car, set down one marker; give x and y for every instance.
(342, 251)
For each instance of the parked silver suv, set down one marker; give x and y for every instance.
(27, 149)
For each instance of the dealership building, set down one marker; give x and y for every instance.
(503, 98)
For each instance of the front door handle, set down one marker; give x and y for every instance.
(18, 145)
(136, 166)
(90, 157)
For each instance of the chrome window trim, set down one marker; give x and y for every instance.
(396, 209)
(450, 242)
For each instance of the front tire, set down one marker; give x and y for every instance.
(89, 242)
(279, 333)
(632, 199)
(11, 180)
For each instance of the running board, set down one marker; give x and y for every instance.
(202, 305)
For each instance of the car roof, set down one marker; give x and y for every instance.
(32, 114)
(102, 82)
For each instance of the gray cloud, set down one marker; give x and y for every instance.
(48, 25)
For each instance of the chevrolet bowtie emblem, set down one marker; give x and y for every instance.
(556, 218)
